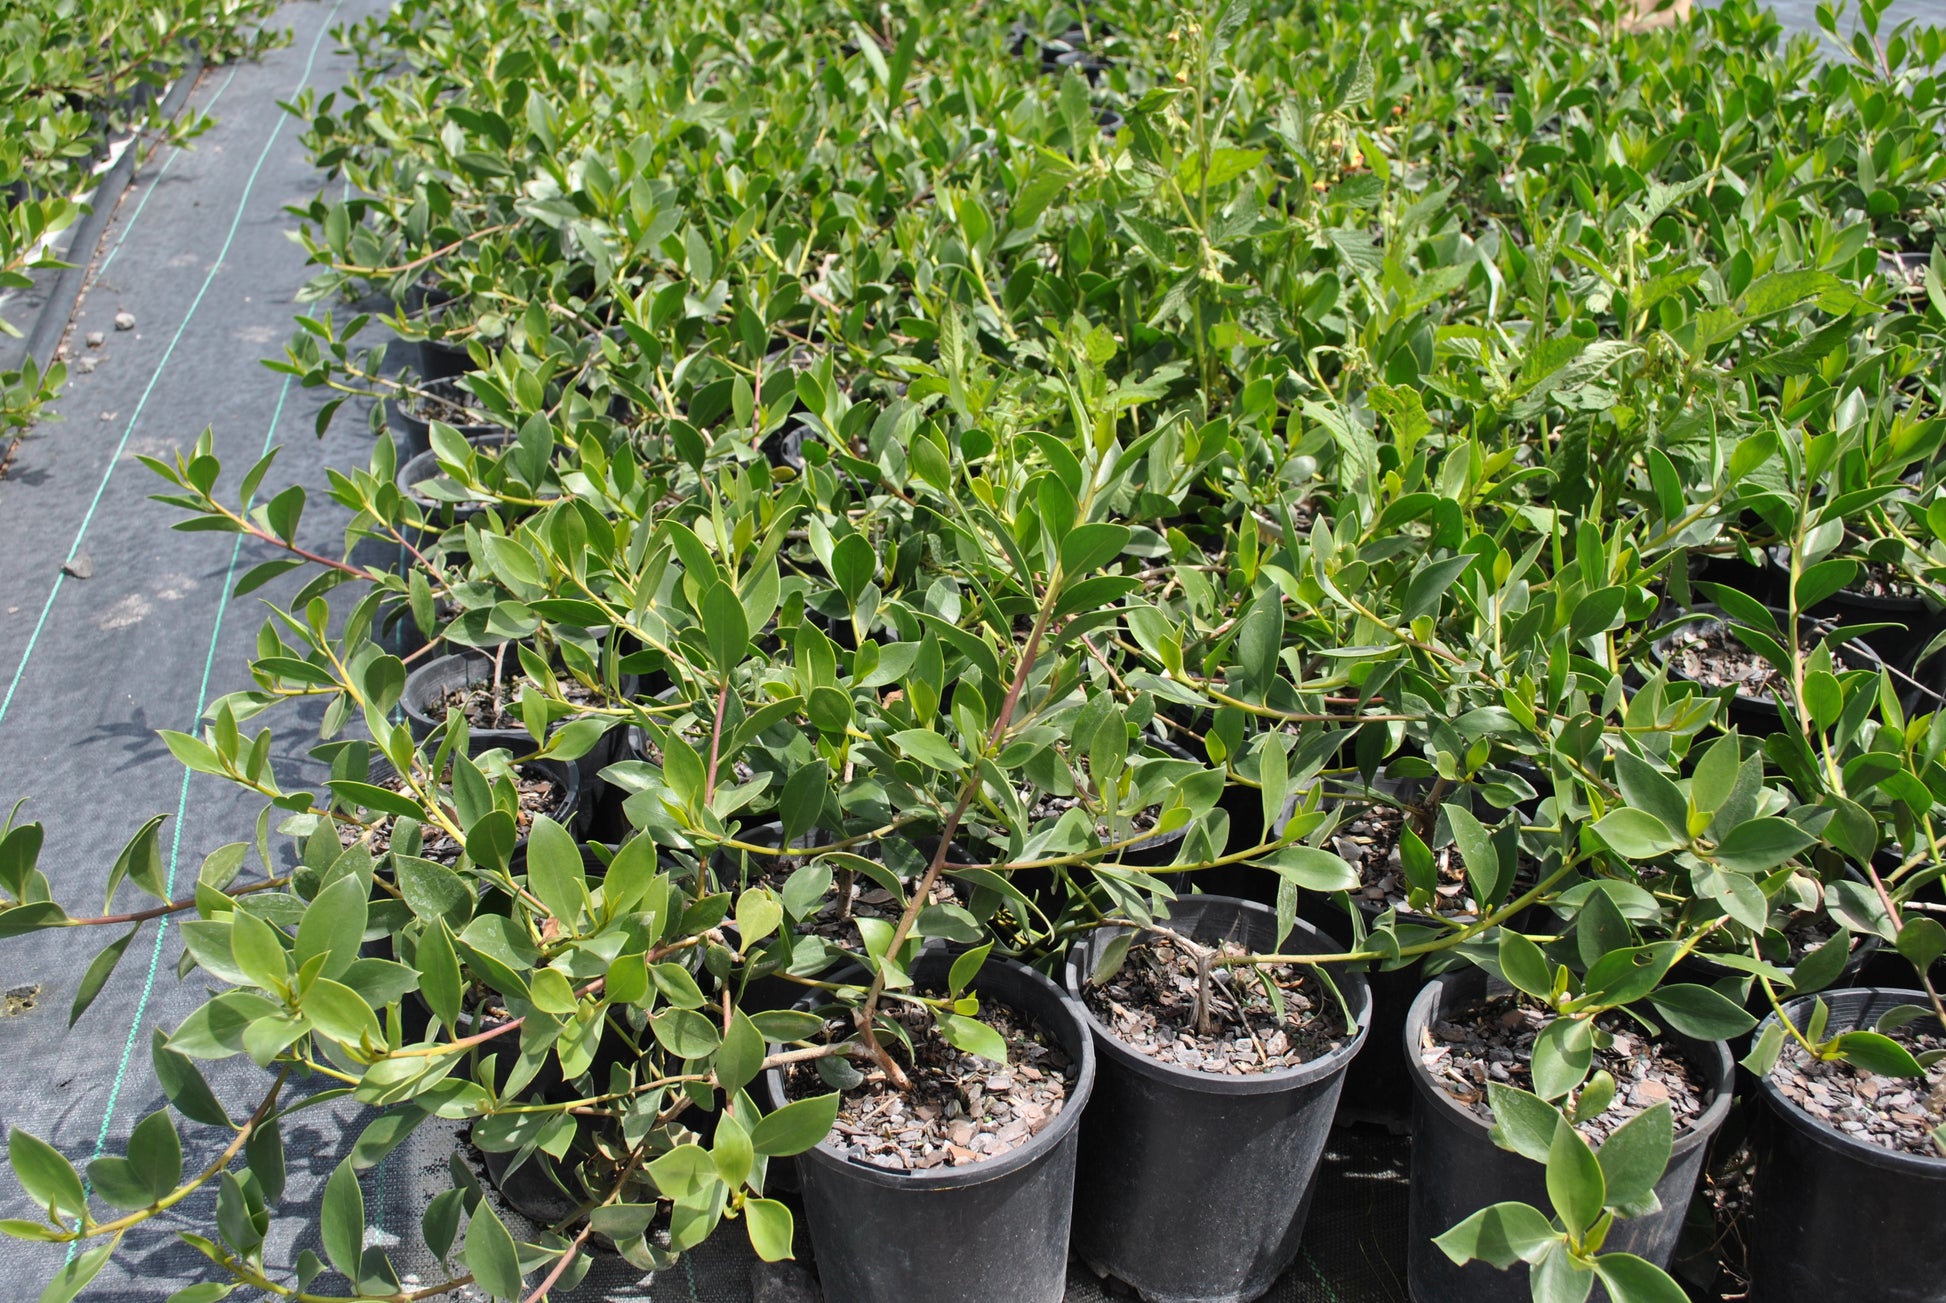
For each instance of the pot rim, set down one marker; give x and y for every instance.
(1659, 649)
(1356, 989)
(1824, 1134)
(1718, 1066)
(418, 674)
(1021, 1157)
(560, 771)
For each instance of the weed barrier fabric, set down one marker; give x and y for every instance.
(91, 666)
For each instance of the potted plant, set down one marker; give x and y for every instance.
(1213, 1103)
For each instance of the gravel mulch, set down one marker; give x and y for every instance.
(1495, 1042)
(1897, 1113)
(1150, 1006)
(962, 1109)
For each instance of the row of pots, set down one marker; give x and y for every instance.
(1193, 1186)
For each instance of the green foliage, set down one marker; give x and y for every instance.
(940, 521)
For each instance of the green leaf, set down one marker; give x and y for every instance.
(1637, 834)
(341, 1220)
(1634, 1157)
(74, 1276)
(1701, 1012)
(771, 1229)
(1562, 1055)
(742, 1055)
(1523, 964)
(183, 1085)
(967, 966)
(1637, 1280)
(1759, 845)
(155, 1152)
(1877, 1053)
(49, 1179)
(1922, 941)
(439, 976)
(726, 627)
(973, 1036)
(334, 925)
(380, 800)
(1311, 869)
(555, 872)
(1088, 548)
(758, 914)
(341, 1013)
(1501, 1234)
(1574, 1180)
(1522, 1121)
(795, 1127)
(99, 971)
(491, 1256)
(1648, 789)
(685, 1033)
(928, 748)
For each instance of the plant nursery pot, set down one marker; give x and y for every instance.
(406, 419)
(1836, 1217)
(566, 809)
(426, 688)
(992, 1232)
(1755, 716)
(1195, 1186)
(530, 1189)
(1915, 620)
(439, 512)
(1458, 1170)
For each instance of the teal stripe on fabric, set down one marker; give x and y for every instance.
(148, 390)
(209, 661)
(182, 810)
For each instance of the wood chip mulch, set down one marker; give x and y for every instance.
(1897, 1113)
(962, 1109)
(1495, 1042)
(1150, 1006)
(538, 795)
(1709, 654)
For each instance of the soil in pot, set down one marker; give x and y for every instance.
(540, 793)
(1460, 1035)
(1896, 1113)
(962, 1109)
(1710, 655)
(1199, 1146)
(1495, 1042)
(410, 415)
(994, 1230)
(1150, 1006)
(1845, 1205)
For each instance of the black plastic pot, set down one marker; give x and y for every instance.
(992, 1232)
(425, 467)
(406, 419)
(567, 807)
(426, 688)
(1378, 1086)
(1193, 1186)
(1458, 1170)
(1756, 716)
(1914, 620)
(1836, 1217)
